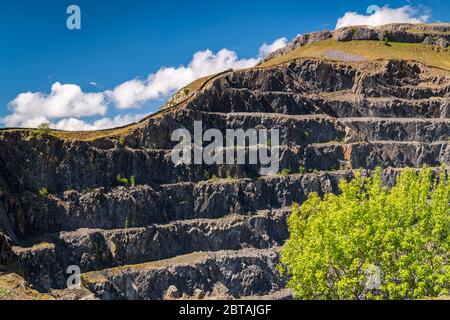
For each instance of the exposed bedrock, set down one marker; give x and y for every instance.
(434, 34)
(209, 231)
(94, 249)
(144, 205)
(223, 274)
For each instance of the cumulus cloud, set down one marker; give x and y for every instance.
(65, 100)
(267, 49)
(167, 80)
(66, 104)
(384, 15)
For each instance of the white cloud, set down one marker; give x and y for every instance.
(167, 80)
(267, 49)
(385, 15)
(64, 100)
(67, 103)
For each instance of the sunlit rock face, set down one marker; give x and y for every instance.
(213, 231)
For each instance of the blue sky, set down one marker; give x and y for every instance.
(126, 40)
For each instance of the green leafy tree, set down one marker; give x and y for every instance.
(336, 242)
(133, 181)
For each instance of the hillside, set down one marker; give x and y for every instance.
(343, 101)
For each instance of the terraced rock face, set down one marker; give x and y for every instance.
(178, 233)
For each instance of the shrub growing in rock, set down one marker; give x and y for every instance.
(133, 181)
(43, 130)
(43, 192)
(370, 242)
(305, 135)
(121, 180)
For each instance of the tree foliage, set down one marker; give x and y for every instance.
(336, 242)
(44, 129)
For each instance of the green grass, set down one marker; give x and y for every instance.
(371, 50)
(4, 292)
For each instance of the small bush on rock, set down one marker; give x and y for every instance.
(121, 179)
(43, 192)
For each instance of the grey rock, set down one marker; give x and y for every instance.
(177, 234)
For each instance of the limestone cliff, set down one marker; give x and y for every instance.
(179, 232)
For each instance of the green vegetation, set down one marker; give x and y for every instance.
(254, 175)
(285, 172)
(302, 170)
(4, 292)
(305, 135)
(209, 177)
(338, 242)
(122, 140)
(122, 180)
(125, 181)
(43, 192)
(43, 130)
(186, 91)
(372, 50)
